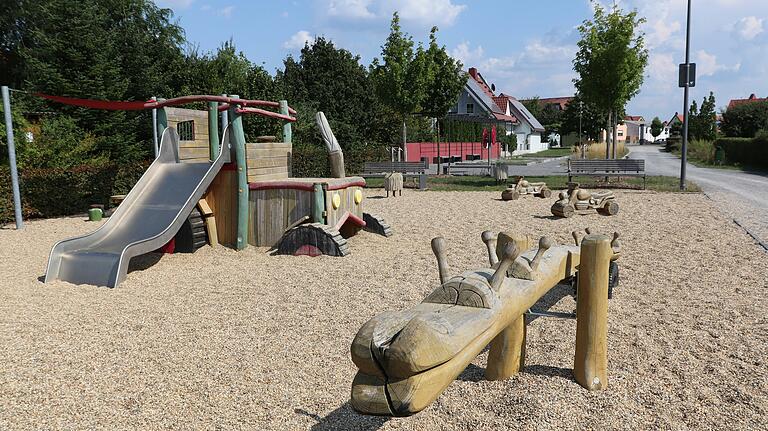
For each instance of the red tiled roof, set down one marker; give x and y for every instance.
(560, 101)
(752, 98)
(634, 118)
(502, 117)
(480, 81)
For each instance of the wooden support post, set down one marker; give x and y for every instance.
(213, 129)
(318, 204)
(507, 355)
(287, 133)
(238, 142)
(162, 120)
(591, 358)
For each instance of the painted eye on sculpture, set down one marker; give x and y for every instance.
(336, 200)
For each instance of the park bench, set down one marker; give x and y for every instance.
(472, 168)
(606, 168)
(408, 169)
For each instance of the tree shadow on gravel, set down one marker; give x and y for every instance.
(344, 418)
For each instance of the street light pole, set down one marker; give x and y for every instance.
(581, 144)
(684, 150)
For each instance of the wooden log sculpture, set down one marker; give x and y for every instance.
(521, 186)
(406, 359)
(335, 155)
(578, 200)
(393, 182)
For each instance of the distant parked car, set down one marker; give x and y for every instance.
(661, 141)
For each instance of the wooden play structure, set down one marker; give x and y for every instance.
(255, 201)
(205, 190)
(576, 200)
(521, 186)
(406, 359)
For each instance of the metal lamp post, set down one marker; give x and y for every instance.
(687, 72)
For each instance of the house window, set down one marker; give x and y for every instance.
(621, 133)
(470, 108)
(186, 130)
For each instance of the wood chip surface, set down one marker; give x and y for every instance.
(242, 340)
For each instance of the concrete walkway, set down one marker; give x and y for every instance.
(742, 196)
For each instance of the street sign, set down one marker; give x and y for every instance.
(687, 74)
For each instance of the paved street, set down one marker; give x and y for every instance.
(743, 196)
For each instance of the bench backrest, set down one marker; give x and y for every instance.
(402, 167)
(626, 165)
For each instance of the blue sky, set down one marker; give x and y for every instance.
(524, 48)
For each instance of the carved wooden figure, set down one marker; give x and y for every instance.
(521, 186)
(577, 200)
(406, 359)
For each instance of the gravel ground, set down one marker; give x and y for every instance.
(241, 340)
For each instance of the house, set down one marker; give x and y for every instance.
(478, 102)
(557, 104)
(751, 99)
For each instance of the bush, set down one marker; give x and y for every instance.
(52, 192)
(702, 150)
(745, 120)
(311, 161)
(745, 151)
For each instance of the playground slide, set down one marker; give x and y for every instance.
(149, 217)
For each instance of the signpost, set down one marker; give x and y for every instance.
(12, 158)
(687, 80)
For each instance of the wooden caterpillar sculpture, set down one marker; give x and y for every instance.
(406, 359)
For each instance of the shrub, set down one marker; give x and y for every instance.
(51, 192)
(745, 151)
(702, 150)
(745, 120)
(312, 160)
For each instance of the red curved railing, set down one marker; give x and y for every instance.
(247, 104)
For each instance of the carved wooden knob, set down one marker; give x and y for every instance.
(615, 245)
(489, 239)
(576, 238)
(439, 249)
(507, 259)
(544, 244)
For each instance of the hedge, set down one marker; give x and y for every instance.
(58, 192)
(745, 151)
(311, 161)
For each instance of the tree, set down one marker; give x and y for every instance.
(445, 80)
(550, 116)
(746, 119)
(400, 81)
(578, 113)
(610, 62)
(702, 123)
(330, 79)
(656, 127)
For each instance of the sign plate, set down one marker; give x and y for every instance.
(687, 74)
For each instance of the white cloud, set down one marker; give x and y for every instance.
(467, 55)
(426, 12)
(298, 40)
(350, 9)
(175, 4)
(226, 11)
(420, 12)
(707, 65)
(749, 27)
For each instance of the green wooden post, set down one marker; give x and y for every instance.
(213, 129)
(287, 133)
(318, 204)
(162, 120)
(238, 138)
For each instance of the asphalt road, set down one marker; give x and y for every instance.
(742, 196)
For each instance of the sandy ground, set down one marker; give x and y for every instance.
(241, 340)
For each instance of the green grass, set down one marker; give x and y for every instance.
(554, 182)
(552, 152)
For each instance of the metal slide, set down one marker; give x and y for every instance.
(149, 217)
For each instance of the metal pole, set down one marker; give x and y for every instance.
(154, 128)
(684, 150)
(12, 158)
(581, 144)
